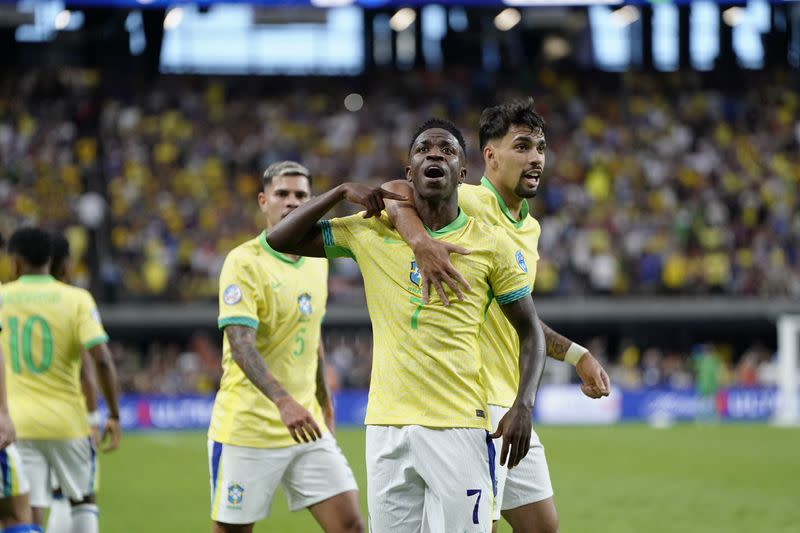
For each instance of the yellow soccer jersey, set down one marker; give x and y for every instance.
(426, 361)
(46, 324)
(284, 301)
(498, 339)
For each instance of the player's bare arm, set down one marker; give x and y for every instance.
(515, 426)
(596, 382)
(89, 389)
(299, 233)
(107, 377)
(301, 424)
(323, 392)
(7, 432)
(432, 256)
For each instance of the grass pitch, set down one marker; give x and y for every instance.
(628, 478)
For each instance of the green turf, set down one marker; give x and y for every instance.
(729, 478)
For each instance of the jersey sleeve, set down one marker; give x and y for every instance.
(238, 298)
(90, 326)
(339, 236)
(509, 275)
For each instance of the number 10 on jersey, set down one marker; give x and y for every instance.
(23, 341)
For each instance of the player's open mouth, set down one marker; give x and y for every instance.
(434, 171)
(532, 177)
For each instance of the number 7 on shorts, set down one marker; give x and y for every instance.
(473, 492)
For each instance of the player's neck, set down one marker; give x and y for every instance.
(436, 214)
(34, 271)
(512, 201)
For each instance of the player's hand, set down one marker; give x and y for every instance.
(433, 259)
(369, 197)
(515, 428)
(330, 417)
(7, 432)
(596, 383)
(301, 424)
(94, 433)
(112, 433)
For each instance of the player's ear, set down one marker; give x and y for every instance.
(262, 201)
(408, 173)
(462, 175)
(489, 156)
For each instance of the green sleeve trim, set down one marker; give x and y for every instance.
(246, 321)
(332, 252)
(88, 345)
(327, 233)
(513, 296)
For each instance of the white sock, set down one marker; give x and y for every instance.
(84, 518)
(60, 518)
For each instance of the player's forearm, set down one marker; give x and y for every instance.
(107, 377)
(522, 315)
(323, 393)
(3, 400)
(403, 214)
(243, 349)
(556, 344)
(89, 383)
(296, 233)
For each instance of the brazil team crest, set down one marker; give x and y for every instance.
(521, 261)
(304, 304)
(235, 494)
(413, 274)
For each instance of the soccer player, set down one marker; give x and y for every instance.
(15, 509)
(46, 324)
(268, 426)
(513, 144)
(429, 456)
(59, 519)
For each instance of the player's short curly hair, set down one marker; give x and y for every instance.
(495, 121)
(446, 125)
(284, 168)
(33, 245)
(60, 253)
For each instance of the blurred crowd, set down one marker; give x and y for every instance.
(655, 184)
(194, 367)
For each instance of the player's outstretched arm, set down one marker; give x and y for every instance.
(107, 376)
(432, 256)
(301, 424)
(7, 432)
(596, 382)
(515, 426)
(299, 232)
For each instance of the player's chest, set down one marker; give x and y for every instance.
(295, 297)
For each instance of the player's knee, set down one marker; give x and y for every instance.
(353, 524)
(548, 524)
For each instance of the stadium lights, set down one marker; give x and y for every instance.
(556, 48)
(62, 19)
(559, 3)
(331, 3)
(507, 19)
(173, 18)
(625, 16)
(353, 102)
(733, 16)
(402, 19)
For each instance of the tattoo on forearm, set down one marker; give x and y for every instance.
(322, 386)
(555, 343)
(243, 347)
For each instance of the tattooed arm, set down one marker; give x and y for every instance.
(595, 380)
(296, 417)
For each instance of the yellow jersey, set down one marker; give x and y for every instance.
(284, 301)
(426, 364)
(45, 326)
(498, 340)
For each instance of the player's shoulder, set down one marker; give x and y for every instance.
(244, 252)
(469, 190)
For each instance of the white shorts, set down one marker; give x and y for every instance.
(244, 480)
(13, 472)
(72, 463)
(426, 479)
(529, 481)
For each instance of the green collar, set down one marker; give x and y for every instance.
(458, 223)
(36, 278)
(523, 211)
(267, 248)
